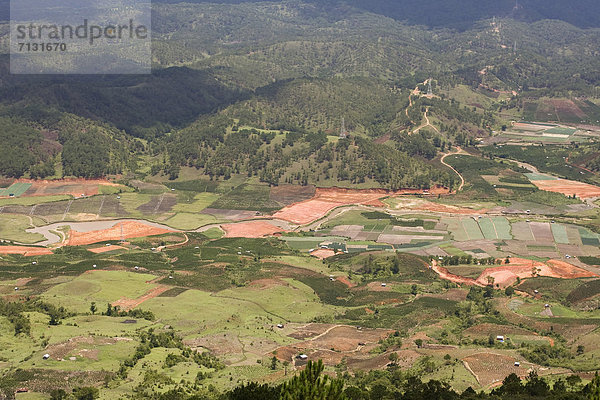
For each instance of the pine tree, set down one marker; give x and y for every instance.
(311, 384)
(595, 388)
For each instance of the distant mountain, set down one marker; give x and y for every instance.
(462, 14)
(456, 14)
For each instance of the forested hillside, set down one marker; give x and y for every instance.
(367, 105)
(302, 67)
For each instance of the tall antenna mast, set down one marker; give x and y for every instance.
(515, 47)
(429, 90)
(122, 236)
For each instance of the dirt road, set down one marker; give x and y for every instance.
(427, 123)
(458, 151)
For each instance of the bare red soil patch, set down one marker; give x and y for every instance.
(73, 187)
(105, 249)
(346, 281)
(26, 251)
(569, 188)
(445, 274)
(563, 269)
(130, 229)
(506, 274)
(326, 199)
(250, 229)
(323, 253)
(126, 304)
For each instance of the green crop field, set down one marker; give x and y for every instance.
(534, 176)
(487, 228)
(189, 221)
(562, 131)
(588, 238)
(503, 228)
(590, 260)
(560, 233)
(198, 185)
(30, 201)
(348, 218)
(109, 189)
(472, 229)
(456, 228)
(247, 197)
(16, 189)
(131, 201)
(199, 202)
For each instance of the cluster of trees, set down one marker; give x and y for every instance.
(22, 149)
(299, 157)
(14, 312)
(469, 259)
(547, 355)
(115, 311)
(478, 301)
(367, 105)
(78, 393)
(86, 148)
(168, 339)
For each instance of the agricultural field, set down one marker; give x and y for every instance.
(240, 273)
(561, 110)
(547, 159)
(308, 200)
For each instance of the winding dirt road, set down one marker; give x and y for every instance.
(459, 151)
(427, 123)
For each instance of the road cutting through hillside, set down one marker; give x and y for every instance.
(458, 151)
